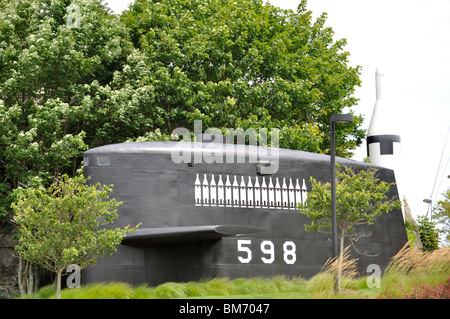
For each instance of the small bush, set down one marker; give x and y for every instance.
(283, 284)
(46, 292)
(171, 290)
(243, 286)
(217, 287)
(143, 292)
(412, 274)
(195, 289)
(411, 267)
(438, 291)
(117, 290)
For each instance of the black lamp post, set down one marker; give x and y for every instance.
(336, 118)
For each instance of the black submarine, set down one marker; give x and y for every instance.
(222, 210)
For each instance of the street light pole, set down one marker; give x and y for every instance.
(336, 118)
(430, 207)
(333, 192)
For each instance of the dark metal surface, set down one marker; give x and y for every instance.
(180, 235)
(386, 143)
(189, 236)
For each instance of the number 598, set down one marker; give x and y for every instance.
(268, 249)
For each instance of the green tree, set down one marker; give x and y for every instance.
(360, 199)
(75, 76)
(429, 234)
(245, 63)
(442, 214)
(62, 89)
(64, 224)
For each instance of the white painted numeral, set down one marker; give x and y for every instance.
(268, 249)
(245, 260)
(289, 255)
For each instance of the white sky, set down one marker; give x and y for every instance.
(409, 40)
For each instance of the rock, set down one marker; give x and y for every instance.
(9, 262)
(409, 218)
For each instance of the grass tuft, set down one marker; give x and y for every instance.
(171, 290)
(111, 290)
(46, 292)
(410, 267)
(143, 292)
(411, 274)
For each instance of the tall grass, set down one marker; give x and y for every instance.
(111, 290)
(409, 268)
(143, 292)
(223, 287)
(322, 285)
(212, 288)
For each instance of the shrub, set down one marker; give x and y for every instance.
(412, 268)
(116, 290)
(171, 290)
(46, 292)
(438, 291)
(195, 289)
(217, 287)
(429, 233)
(143, 292)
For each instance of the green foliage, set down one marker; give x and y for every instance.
(429, 233)
(407, 271)
(151, 136)
(321, 284)
(442, 215)
(116, 290)
(245, 64)
(411, 233)
(409, 268)
(66, 87)
(276, 287)
(436, 291)
(46, 292)
(171, 290)
(61, 225)
(143, 292)
(217, 286)
(110, 290)
(360, 199)
(55, 97)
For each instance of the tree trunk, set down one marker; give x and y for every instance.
(37, 279)
(30, 279)
(27, 277)
(341, 256)
(58, 283)
(20, 277)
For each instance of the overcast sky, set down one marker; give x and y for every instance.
(409, 40)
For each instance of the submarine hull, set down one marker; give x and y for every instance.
(203, 219)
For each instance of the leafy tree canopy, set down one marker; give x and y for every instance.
(59, 88)
(361, 197)
(429, 233)
(61, 225)
(75, 76)
(245, 63)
